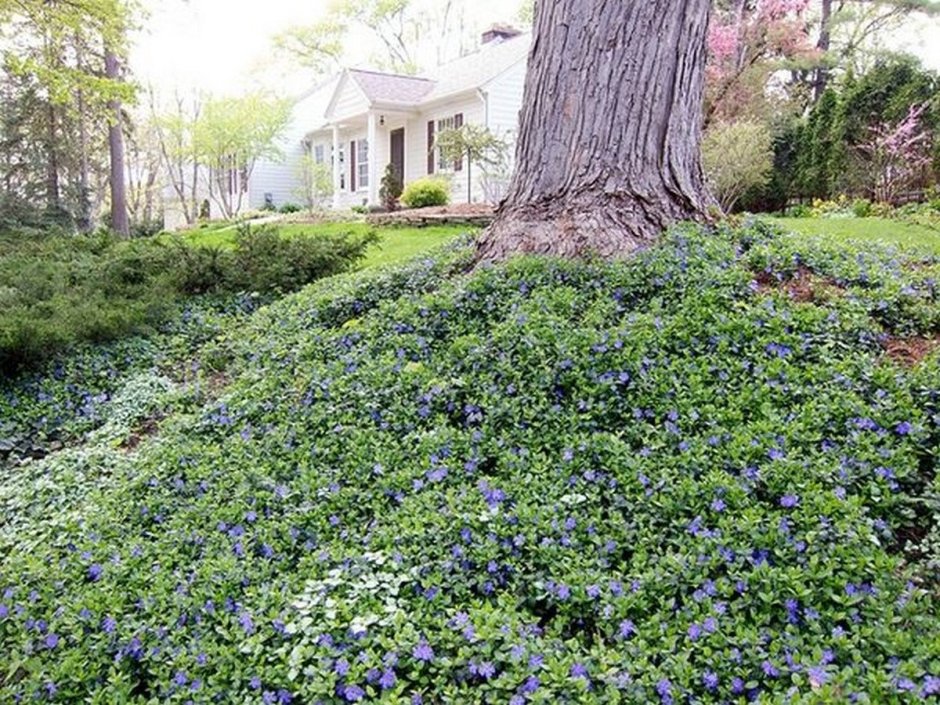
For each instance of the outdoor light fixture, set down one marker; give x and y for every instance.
(382, 120)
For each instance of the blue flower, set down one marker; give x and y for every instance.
(710, 680)
(52, 640)
(486, 670)
(353, 693)
(423, 652)
(579, 670)
(388, 679)
(789, 501)
(903, 428)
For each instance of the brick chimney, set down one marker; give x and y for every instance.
(500, 33)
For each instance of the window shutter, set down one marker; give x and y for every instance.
(430, 146)
(458, 123)
(352, 166)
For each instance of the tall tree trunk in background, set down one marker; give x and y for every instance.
(84, 198)
(119, 221)
(821, 78)
(53, 192)
(609, 142)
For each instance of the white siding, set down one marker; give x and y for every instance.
(503, 106)
(350, 101)
(504, 101)
(416, 145)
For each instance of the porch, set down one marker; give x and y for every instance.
(365, 145)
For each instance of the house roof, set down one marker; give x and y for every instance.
(462, 75)
(390, 87)
(479, 68)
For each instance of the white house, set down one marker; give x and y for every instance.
(374, 119)
(371, 119)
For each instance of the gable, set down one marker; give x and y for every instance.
(348, 100)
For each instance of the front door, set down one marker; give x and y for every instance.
(397, 151)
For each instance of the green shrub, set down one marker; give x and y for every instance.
(426, 192)
(265, 262)
(289, 208)
(57, 291)
(391, 189)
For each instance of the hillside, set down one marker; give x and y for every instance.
(704, 475)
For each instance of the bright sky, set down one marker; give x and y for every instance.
(223, 46)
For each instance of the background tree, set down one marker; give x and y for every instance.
(230, 136)
(737, 157)
(896, 155)
(57, 53)
(477, 144)
(175, 133)
(609, 143)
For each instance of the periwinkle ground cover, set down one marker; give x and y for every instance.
(654, 481)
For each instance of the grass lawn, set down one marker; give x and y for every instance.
(866, 230)
(397, 244)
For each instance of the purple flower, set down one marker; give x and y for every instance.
(353, 693)
(695, 631)
(423, 652)
(769, 669)
(664, 689)
(341, 667)
(931, 685)
(789, 501)
(718, 505)
(627, 628)
(710, 679)
(817, 676)
(94, 571)
(255, 683)
(52, 640)
(180, 679)
(388, 679)
(247, 623)
(531, 684)
(579, 670)
(486, 670)
(903, 428)
(108, 625)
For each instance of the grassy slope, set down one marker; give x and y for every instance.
(878, 230)
(652, 478)
(397, 244)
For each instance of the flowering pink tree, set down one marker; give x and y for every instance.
(896, 155)
(750, 41)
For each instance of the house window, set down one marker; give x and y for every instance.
(342, 166)
(448, 123)
(362, 163)
(319, 154)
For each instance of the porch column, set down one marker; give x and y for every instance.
(373, 161)
(337, 170)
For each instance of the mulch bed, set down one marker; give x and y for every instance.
(803, 287)
(910, 351)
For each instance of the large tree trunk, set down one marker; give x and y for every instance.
(609, 140)
(119, 221)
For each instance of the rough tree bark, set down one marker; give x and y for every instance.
(610, 134)
(119, 220)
